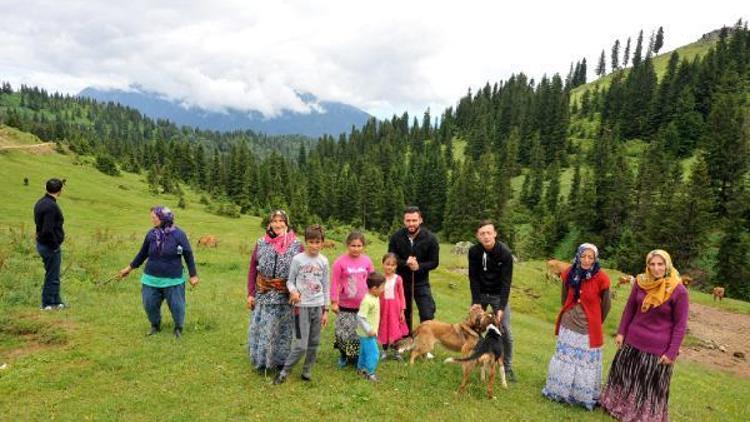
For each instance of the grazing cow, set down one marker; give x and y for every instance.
(718, 293)
(208, 241)
(329, 244)
(461, 248)
(686, 280)
(555, 268)
(625, 279)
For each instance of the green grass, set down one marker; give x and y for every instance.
(92, 361)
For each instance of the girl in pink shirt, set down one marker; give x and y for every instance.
(392, 305)
(348, 287)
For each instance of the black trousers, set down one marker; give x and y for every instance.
(422, 295)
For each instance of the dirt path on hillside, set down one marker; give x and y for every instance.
(44, 148)
(721, 336)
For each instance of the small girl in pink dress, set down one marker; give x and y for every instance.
(392, 304)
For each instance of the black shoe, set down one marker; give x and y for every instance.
(178, 333)
(510, 376)
(280, 378)
(306, 377)
(153, 330)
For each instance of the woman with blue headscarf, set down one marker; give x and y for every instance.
(165, 246)
(575, 371)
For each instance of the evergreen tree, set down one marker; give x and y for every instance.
(553, 188)
(638, 50)
(734, 249)
(615, 58)
(694, 214)
(626, 54)
(659, 41)
(726, 141)
(601, 69)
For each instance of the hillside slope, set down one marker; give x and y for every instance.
(92, 361)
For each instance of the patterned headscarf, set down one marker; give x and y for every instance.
(280, 243)
(658, 290)
(576, 274)
(165, 227)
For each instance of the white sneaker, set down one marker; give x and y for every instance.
(430, 356)
(47, 308)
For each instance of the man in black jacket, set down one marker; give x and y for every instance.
(49, 237)
(490, 276)
(418, 253)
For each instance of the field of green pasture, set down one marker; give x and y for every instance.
(92, 360)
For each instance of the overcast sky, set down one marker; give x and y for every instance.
(382, 56)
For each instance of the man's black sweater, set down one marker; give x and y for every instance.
(490, 272)
(425, 247)
(49, 222)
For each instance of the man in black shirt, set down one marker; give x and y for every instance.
(49, 237)
(490, 276)
(417, 251)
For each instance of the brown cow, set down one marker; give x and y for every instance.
(625, 279)
(686, 280)
(555, 268)
(718, 293)
(208, 241)
(329, 244)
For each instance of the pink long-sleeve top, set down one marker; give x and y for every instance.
(349, 280)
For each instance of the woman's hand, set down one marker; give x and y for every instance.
(324, 319)
(125, 271)
(335, 308)
(665, 360)
(251, 303)
(619, 340)
(401, 316)
(193, 280)
(294, 298)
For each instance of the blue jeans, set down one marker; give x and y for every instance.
(494, 302)
(52, 259)
(369, 355)
(154, 296)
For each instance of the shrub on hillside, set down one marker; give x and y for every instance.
(106, 164)
(225, 209)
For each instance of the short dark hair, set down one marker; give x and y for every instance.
(375, 279)
(356, 235)
(485, 222)
(314, 232)
(411, 209)
(54, 185)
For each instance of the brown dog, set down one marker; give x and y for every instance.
(461, 337)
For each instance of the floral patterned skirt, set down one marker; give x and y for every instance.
(346, 338)
(270, 335)
(575, 371)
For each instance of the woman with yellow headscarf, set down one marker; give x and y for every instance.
(651, 330)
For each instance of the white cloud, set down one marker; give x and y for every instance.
(385, 57)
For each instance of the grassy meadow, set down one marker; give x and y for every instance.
(92, 361)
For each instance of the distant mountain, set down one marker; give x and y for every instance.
(325, 118)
